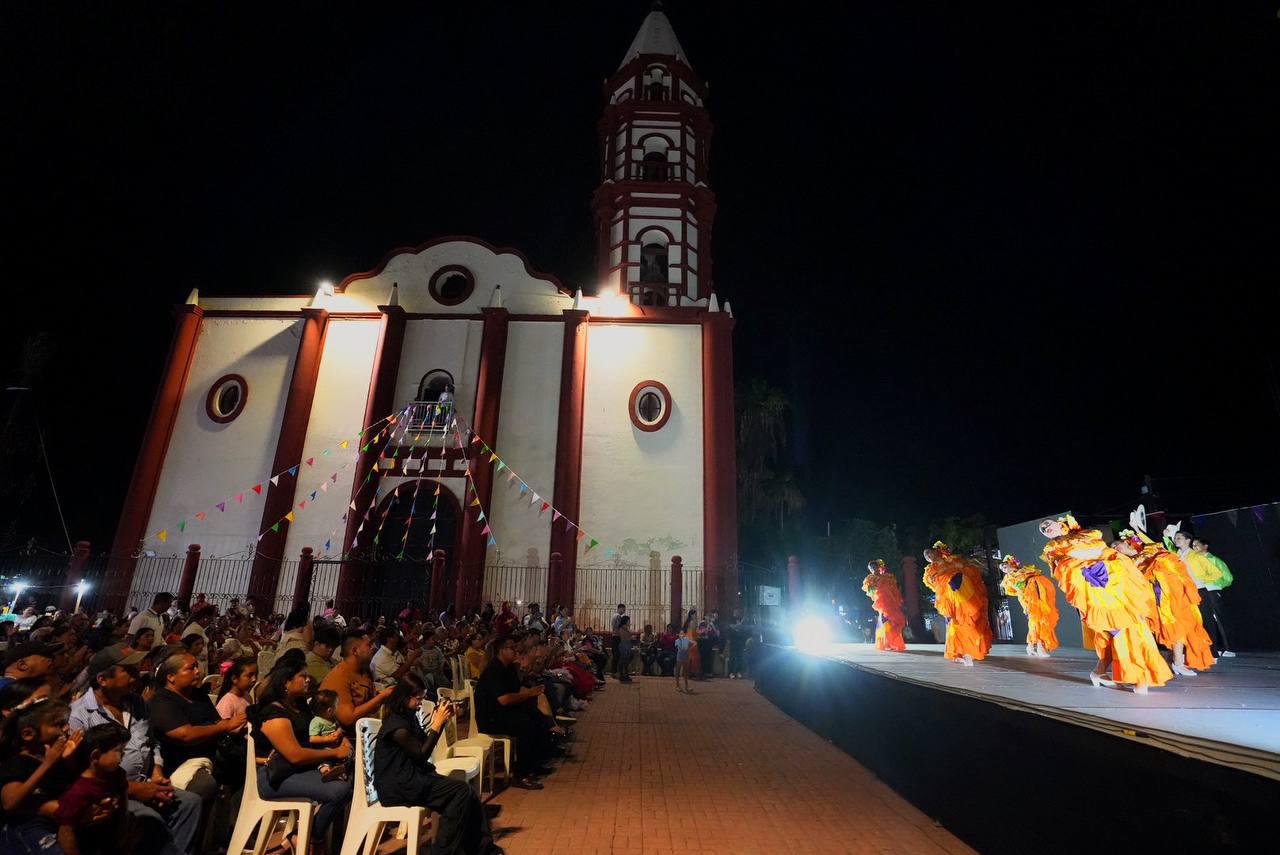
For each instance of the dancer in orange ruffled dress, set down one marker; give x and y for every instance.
(1038, 599)
(1114, 601)
(886, 599)
(1176, 621)
(962, 600)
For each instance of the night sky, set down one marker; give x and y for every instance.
(1002, 261)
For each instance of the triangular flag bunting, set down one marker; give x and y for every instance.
(480, 516)
(544, 507)
(375, 466)
(275, 526)
(289, 516)
(364, 447)
(437, 491)
(475, 503)
(492, 542)
(311, 461)
(433, 529)
(313, 495)
(493, 456)
(326, 545)
(293, 471)
(592, 544)
(200, 516)
(302, 506)
(581, 534)
(555, 516)
(353, 504)
(486, 530)
(257, 488)
(568, 524)
(275, 479)
(511, 478)
(222, 506)
(474, 439)
(325, 453)
(433, 515)
(501, 466)
(334, 477)
(323, 488)
(182, 526)
(344, 443)
(163, 535)
(240, 498)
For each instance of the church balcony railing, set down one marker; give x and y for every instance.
(656, 170)
(428, 415)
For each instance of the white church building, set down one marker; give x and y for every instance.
(594, 424)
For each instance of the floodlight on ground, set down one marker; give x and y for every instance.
(812, 633)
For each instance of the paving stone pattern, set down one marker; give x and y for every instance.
(722, 771)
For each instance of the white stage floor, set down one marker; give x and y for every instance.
(1229, 714)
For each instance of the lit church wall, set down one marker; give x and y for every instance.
(641, 490)
(527, 432)
(209, 462)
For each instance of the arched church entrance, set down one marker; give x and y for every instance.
(401, 556)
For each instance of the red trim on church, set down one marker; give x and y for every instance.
(265, 576)
(380, 402)
(568, 472)
(136, 512)
(493, 360)
(719, 465)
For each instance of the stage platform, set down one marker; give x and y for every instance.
(1192, 765)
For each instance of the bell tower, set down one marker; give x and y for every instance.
(653, 209)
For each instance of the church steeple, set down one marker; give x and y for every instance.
(653, 208)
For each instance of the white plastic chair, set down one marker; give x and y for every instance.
(507, 742)
(465, 765)
(257, 812)
(369, 818)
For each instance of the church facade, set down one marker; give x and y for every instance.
(454, 398)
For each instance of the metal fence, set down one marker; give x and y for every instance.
(644, 588)
(515, 584)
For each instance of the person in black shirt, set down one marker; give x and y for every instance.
(403, 773)
(187, 725)
(504, 706)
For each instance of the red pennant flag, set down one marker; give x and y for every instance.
(542, 509)
(257, 488)
(581, 534)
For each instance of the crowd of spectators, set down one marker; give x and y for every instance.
(127, 733)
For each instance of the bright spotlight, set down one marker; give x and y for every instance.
(812, 633)
(326, 288)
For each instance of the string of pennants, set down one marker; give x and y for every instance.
(535, 498)
(374, 435)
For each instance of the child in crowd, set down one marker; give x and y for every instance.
(102, 787)
(238, 680)
(36, 747)
(683, 645)
(324, 733)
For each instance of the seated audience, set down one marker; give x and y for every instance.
(187, 725)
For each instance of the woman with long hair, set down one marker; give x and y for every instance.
(690, 630)
(292, 769)
(405, 776)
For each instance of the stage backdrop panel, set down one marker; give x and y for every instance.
(1025, 541)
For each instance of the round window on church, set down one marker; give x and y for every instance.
(650, 406)
(451, 284)
(226, 399)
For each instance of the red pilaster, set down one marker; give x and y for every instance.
(302, 584)
(435, 601)
(719, 465)
(380, 402)
(187, 584)
(493, 362)
(289, 447)
(155, 444)
(568, 479)
(677, 591)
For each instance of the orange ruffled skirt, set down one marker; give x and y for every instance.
(1042, 612)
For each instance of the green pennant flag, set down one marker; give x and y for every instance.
(182, 526)
(364, 447)
(275, 527)
(591, 544)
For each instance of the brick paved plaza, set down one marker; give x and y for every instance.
(723, 771)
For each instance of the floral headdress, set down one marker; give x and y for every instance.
(942, 547)
(1012, 560)
(1132, 537)
(879, 564)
